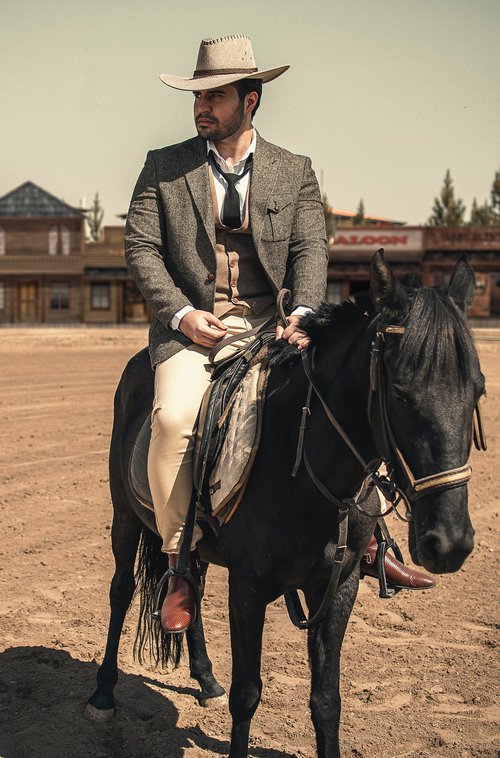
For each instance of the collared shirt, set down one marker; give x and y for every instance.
(228, 168)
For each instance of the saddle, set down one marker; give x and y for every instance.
(223, 457)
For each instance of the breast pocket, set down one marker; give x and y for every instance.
(279, 219)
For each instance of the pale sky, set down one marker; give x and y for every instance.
(383, 95)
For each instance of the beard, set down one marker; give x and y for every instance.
(219, 131)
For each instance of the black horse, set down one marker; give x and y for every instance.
(422, 394)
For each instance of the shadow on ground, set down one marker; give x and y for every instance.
(43, 692)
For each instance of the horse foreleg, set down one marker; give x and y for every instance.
(247, 608)
(324, 644)
(125, 535)
(200, 665)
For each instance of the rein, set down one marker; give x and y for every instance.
(415, 489)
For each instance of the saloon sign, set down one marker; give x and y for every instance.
(403, 239)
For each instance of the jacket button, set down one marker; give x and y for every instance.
(211, 277)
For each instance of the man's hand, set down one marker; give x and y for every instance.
(293, 333)
(202, 328)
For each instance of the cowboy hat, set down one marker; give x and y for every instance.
(223, 61)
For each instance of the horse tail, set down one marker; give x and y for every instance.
(151, 641)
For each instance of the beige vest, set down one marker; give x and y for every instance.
(239, 278)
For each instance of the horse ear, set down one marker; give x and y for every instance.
(462, 284)
(387, 292)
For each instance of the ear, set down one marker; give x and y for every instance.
(462, 284)
(387, 292)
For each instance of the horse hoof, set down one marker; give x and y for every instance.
(98, 715)
(212, 702)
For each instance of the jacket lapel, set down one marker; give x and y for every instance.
(265, 166)
(193, 158)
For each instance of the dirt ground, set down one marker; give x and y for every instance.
(420, 672)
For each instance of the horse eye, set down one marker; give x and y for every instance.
(399, 395)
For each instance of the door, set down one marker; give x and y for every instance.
(28, 302)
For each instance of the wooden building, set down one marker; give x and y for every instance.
(50, 275)
(429, 251)
(41, 257)
(109, 294)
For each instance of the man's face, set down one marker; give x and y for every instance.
(218, 113)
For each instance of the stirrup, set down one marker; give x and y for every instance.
(385, 543)
(385, 591)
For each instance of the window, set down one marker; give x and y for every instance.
(53, 235)
(2, 296)
(59, 240)
(65, 240)
(99, 300)
(2, 242)
(59, 296)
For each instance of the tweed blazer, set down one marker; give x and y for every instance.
(170, 233)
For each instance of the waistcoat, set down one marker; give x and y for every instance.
(239, 277)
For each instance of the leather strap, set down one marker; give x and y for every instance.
(237, 337)
(292, 600)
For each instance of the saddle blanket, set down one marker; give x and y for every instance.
(242, 419)
(243, 414)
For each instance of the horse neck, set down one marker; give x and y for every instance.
(343, 372)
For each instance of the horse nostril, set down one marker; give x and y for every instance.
(432, 545)
(441, 554)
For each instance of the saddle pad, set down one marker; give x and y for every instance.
(243, 420)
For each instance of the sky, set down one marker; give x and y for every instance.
(384, 95)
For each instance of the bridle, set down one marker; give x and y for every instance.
(414, 488)
(394, 492)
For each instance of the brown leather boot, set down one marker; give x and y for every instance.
(179, 610)
(397, 574)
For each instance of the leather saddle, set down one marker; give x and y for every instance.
(211, 425)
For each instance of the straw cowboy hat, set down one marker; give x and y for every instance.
(223, 61)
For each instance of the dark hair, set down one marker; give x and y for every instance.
(245, 86)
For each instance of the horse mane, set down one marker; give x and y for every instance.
(329, 318)
(436, 339)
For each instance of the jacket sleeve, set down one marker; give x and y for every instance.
(146, 247)
(308, 249)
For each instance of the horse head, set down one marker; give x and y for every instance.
(429, 385)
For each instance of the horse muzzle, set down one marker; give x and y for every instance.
(441, 534)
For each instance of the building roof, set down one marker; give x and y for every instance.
(341, 215)
(30, 200)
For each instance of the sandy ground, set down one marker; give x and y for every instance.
(420, 675)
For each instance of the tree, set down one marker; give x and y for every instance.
(359, 218)
(447, 210)
(495, 197)
(482, 215)
(94, 219)
(329, 218)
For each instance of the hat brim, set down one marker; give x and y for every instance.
(219, 80)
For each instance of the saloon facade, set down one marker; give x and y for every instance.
(50, 275)
(429, 251)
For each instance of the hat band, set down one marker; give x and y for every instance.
(221, 71)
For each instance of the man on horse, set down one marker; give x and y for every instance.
(216, 226)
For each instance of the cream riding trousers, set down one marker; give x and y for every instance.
(180, 383)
